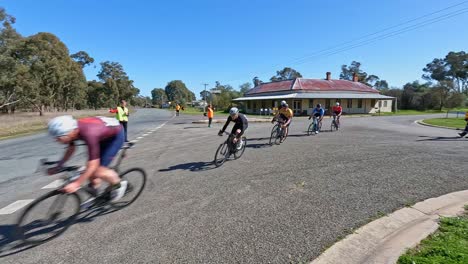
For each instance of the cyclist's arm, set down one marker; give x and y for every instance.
(226, 124)
(245, 124)
(322, 114)
(91, 167)
(275, 117)
(312, 114)
(68, 153)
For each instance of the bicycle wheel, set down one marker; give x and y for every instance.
(47, 217)
(310, 130)
(136, 181)
(279, 135)
(333, 126)
(274, 135)
(240, 151)
(221, 154)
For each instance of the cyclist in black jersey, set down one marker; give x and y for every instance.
(240, 124)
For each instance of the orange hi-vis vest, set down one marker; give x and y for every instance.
(210, 113)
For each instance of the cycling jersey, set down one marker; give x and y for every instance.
(240, 123)
(103, 136)
(285, 113)
(318, 112)
(337, 109)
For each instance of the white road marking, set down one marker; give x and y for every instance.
(53, 185)
(144, 135)
(9, 209)
(139, 137)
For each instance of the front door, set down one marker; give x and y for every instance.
(297, 107)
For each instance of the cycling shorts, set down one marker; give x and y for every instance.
(110, 147)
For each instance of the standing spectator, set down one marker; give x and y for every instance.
(122, 115)
(177, 109)
(210, 114)
(462, 134)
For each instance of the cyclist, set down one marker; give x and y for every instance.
(318, 113)
(285, 115)
(464, 132)
(104, 137)
(240, 125)
(337, 111)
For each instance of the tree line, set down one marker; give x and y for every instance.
(446, 85)
(38, 73)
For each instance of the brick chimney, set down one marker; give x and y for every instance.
(355, 77)
(328, 76)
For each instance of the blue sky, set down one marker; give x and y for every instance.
(205, 41)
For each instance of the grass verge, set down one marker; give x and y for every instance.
(447, 245)
(21, 124)
(447, 122)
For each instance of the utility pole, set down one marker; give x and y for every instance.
(204, 94)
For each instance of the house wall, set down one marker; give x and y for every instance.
(350, 106)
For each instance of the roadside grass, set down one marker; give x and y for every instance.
(411, 112)
(20, 124)
(418, 112)
(449, 244)
(447, 122)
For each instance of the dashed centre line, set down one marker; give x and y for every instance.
(9, 209)
(53, 185)
(15, 206)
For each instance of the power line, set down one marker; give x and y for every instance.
(382, 30)
(391, 34)
(333, 50)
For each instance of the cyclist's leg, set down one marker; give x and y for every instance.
(109, 150)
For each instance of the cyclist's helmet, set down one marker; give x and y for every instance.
(284, 104)
(233, 111)
(62, 125)
(319, 105)
(337, 103)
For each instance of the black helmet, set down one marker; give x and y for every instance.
(319, 105)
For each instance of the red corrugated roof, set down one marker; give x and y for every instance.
(271, 87)
(312, 85)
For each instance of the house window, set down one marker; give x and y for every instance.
(373, 103)
(350, 103)
(385, 104)
(359, 103)
(380, 104)
(327, 104)
(249, 104)
(255, 106)
(272, 103)
(311, 103)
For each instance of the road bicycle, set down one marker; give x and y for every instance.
(335, 124)
(228, 148)
(313, 126)
(278, 133)
(53, 213)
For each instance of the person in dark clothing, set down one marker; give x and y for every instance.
(240, 125)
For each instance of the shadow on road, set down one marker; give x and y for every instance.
(192, 166)
(10, 239)
(440, 139)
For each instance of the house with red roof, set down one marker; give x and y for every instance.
(303, 94)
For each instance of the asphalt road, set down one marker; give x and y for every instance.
(19, 157)
(273, 205)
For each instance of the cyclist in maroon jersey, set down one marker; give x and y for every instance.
(104, 137)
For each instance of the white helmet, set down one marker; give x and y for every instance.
(62, 125)
(233, 111)
(283, 103)
(337, 103)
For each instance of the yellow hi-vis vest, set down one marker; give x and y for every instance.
(122, 114)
